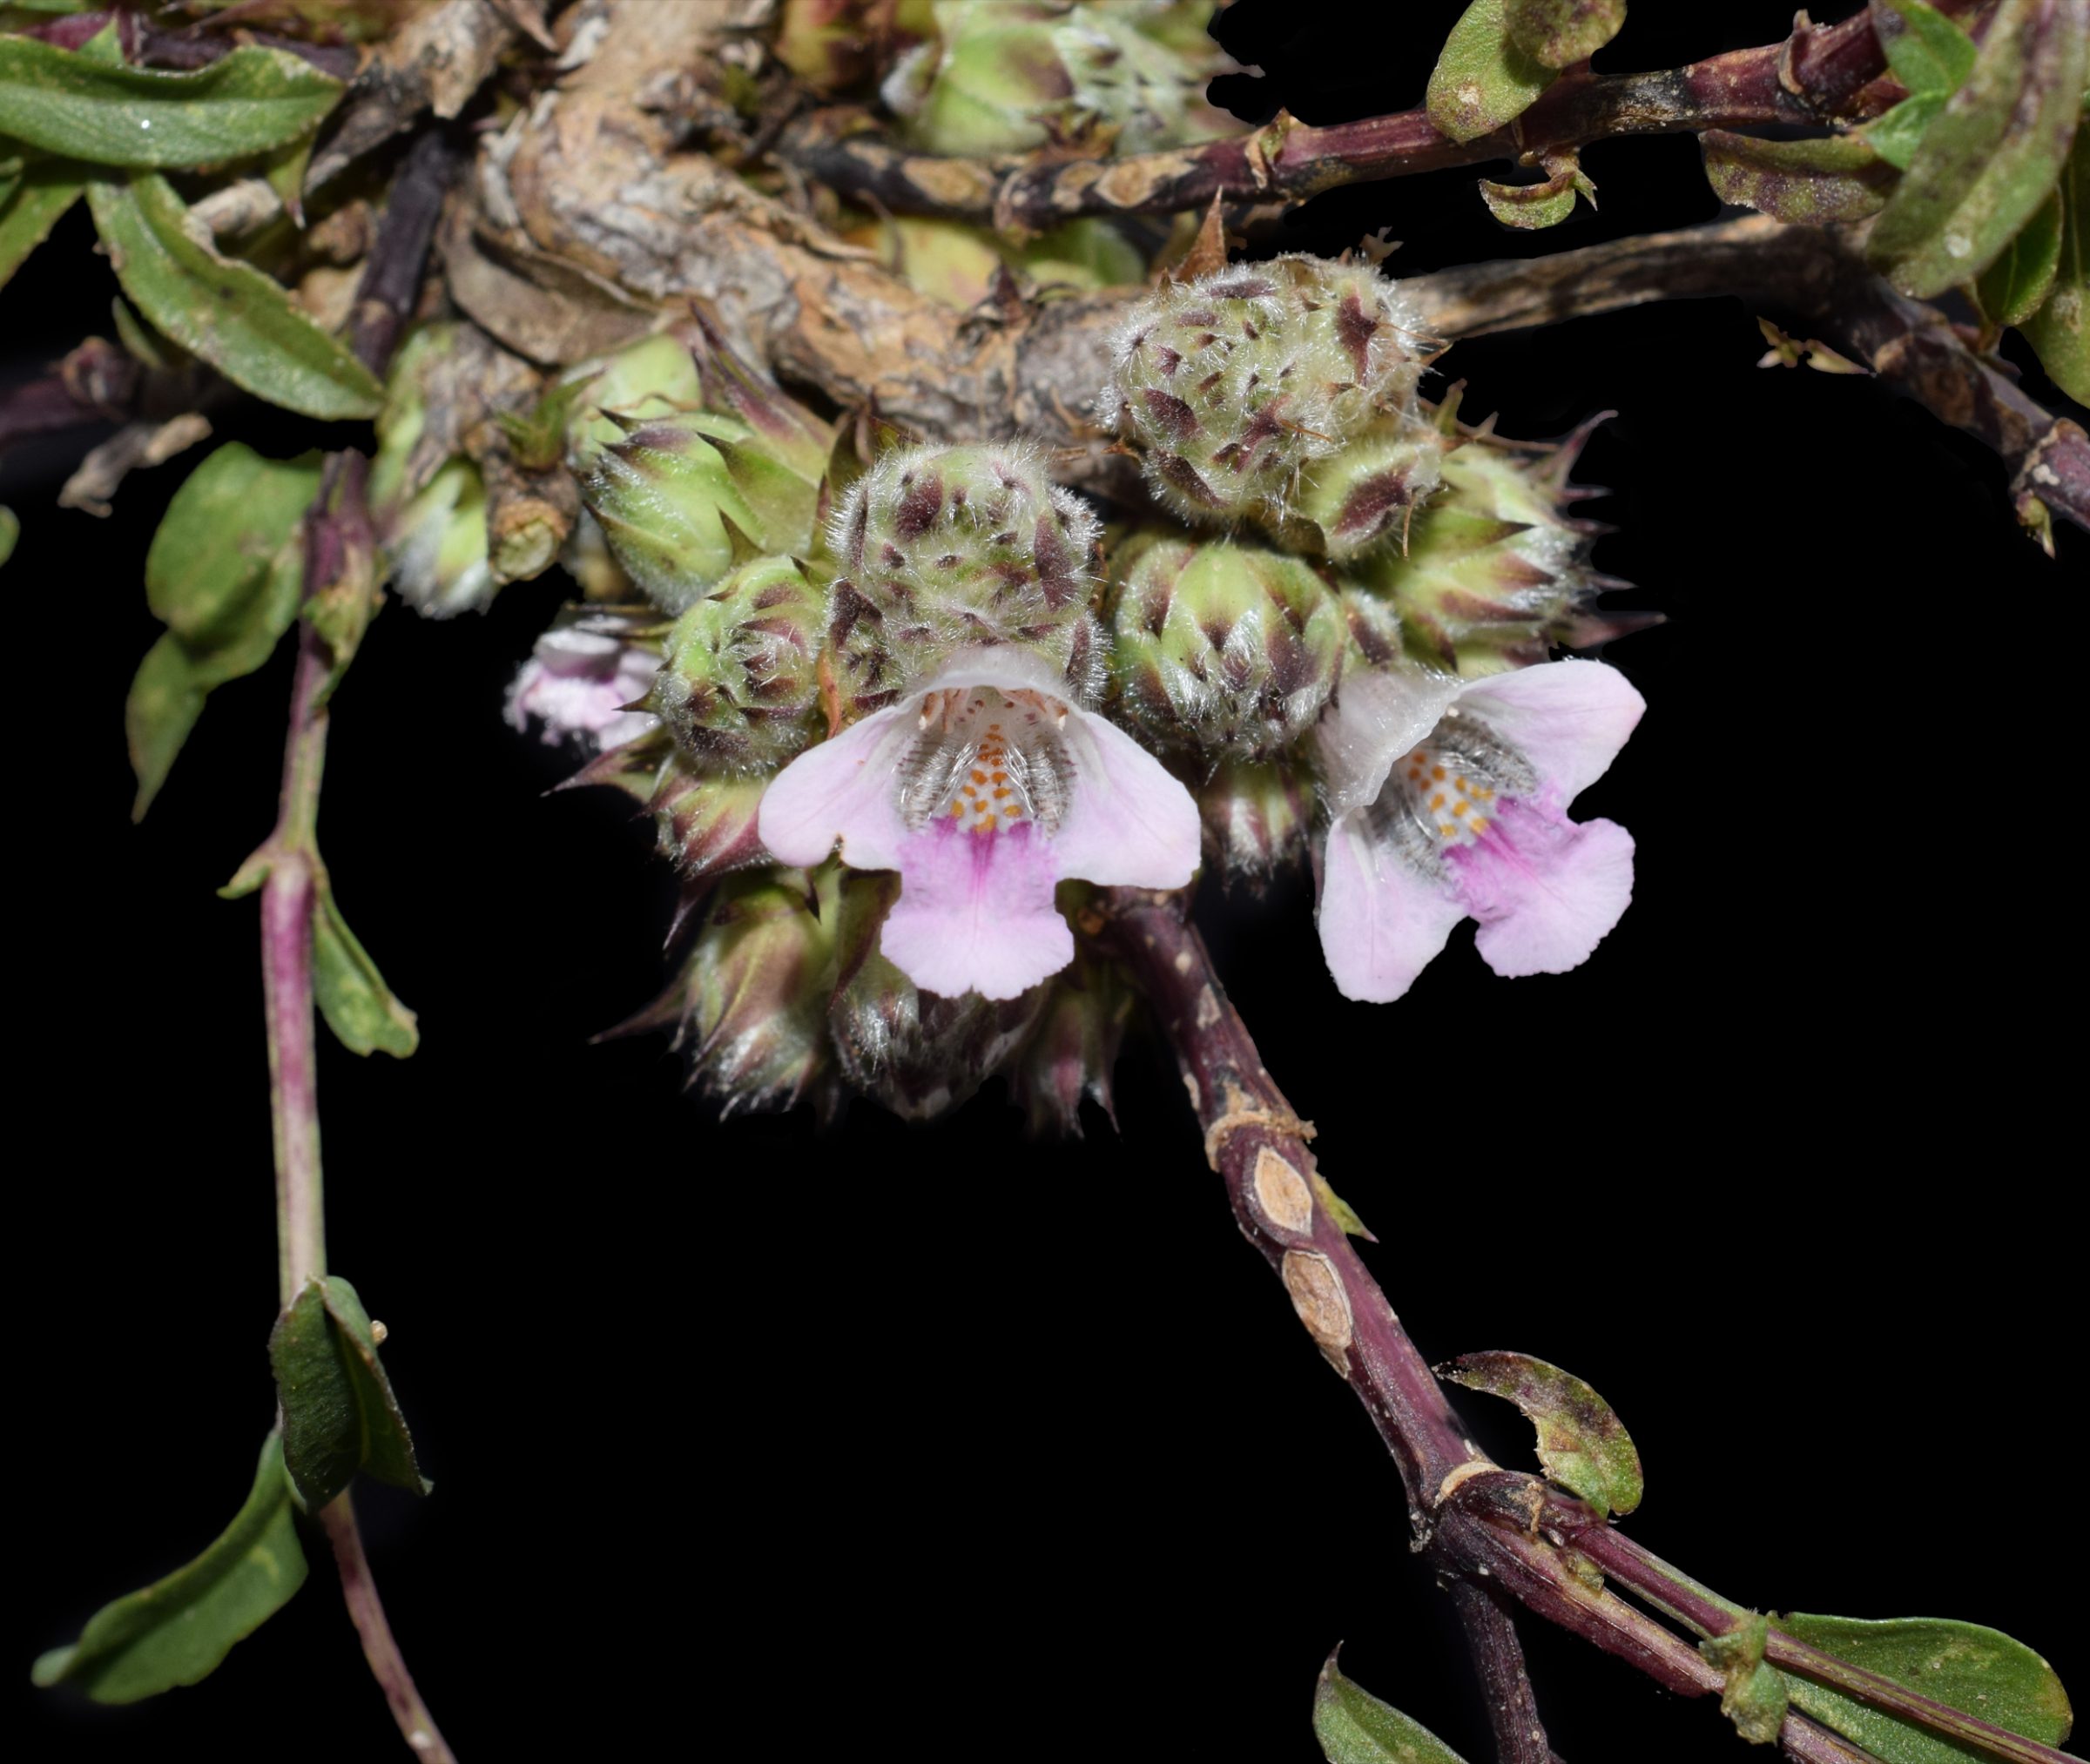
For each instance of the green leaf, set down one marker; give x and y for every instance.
(1809, 183)
(67, 102)
(1582, 1445)
(1989, 158)
(226, 312)
(1753, 1696)
(339, 1414)
(358, 1007)
(10, 530)
(1556, 32)
(2059, 331)
(2015, 286)
(225, 569)
(1529, 207)
(1355, 1727)
(1964, 1666)
(176, 1631)
(38, 203)
(221, 536)
(1482, 80)
(1931, 54)
(1896, 136)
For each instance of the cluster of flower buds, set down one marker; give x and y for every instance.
(1007, 76)
(894, 721)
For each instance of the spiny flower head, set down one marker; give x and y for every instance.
(739, 685)
(943, 549)
(1233, 383)
(1223, 647)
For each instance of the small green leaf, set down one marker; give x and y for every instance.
(38, 201)
(2016, 286)
(1530, 206)
(219, 538)
(141, 343)
(10, 530)
(1556, 32)
(1964, 1666)
(1809, 183)
(339, 1414)
(1896, 136)
(1582, 1445)
(1482, 80)
(2059, 331)
(1753, 1696)
(164, 701)
(1989, 158)
(67, 102)
(358, 1006)
(176, 1631)
(1931, 54)
(227, 314)
(1355, 1727)
(1340, 1211)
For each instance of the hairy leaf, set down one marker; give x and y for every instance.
(1928, 52)
(226, 312)
(2015, 286)
(1965, 1666)
(1482, 80)
(1355, 1727)
(358, 1007)
(1896, 136)
(1810, 183)
(1556, 32)
(1582, 1445)
(1530, 206)
(2059, 331)
(42, 194)
(66, 101)
(219, 537)
(1989, 158)
(339, 1414)
(225, 570)
(176, 1630)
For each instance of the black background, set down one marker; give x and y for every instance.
(940, 1438)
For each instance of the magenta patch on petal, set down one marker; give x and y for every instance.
(1546, 890)
(975, 912)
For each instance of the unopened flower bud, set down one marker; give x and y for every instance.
(1494, 573)
(782, 432)
(1256, 814)
(1071, 1053)
(1223, 647)
(943, 549)
(663, 498)
(753, 995)
(707, 821)
(917, 1052)
(1365, 497)
(436, 542)
(739, 685)
(1233, 384)
(1006, 76)
(654, 377)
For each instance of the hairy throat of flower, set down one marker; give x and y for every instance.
(987, 761)
(1443, 792)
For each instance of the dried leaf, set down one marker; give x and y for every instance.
(1810, 183)
(1482, 80)
(226, 312)
(69, 102)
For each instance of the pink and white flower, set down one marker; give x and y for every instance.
(984, 787)
(1450, 801)
(582, 679)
